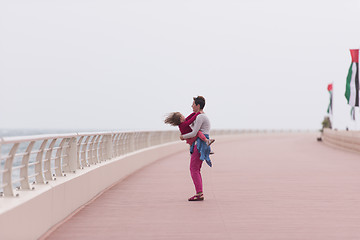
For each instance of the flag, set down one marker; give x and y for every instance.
(352, 80)
(352, 113)
(330, 89)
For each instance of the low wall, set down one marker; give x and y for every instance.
(348, 140)
(32, 215)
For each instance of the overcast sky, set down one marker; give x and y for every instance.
(113, 65)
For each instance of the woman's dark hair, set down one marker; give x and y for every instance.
(200, 100)
(173, 119)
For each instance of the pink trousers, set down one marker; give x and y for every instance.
(195, 167)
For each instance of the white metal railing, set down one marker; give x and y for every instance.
(30, 160)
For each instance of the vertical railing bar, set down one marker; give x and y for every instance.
(126, 142)
(84, 154)
(78, 155)
(39, 166)
(64, 156)
(91, 151)
(24, 172)
(113, 138)
(101, 148)
(109, 148)
(72, 155)
(132, 142)
(7, 176)
(96, 149)
(47, 164)
(58, 165)
(122, 145)
(69, 160)
(116, 145)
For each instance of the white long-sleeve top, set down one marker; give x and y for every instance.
(201, 123)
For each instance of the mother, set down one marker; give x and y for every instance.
(199, 150)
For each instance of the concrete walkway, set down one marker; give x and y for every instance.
(270, 186)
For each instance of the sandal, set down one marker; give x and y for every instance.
(197, 197)
(210, 141)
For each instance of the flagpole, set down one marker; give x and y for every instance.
(356, 123)
(332, 106)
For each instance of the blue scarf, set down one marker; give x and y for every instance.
(203, 149)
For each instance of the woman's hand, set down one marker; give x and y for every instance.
(181, 138)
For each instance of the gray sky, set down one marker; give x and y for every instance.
(125, 64)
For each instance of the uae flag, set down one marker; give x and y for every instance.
(352, 80)
(330, 89)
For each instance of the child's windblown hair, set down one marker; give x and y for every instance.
(173, 119)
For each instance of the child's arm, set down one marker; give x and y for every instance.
(189, 121)
(190, 116)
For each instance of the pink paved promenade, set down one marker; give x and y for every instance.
(261, 187)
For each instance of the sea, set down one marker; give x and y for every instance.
(30, 132)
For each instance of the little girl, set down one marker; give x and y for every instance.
(177, 119)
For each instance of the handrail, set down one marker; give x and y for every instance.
(38, 159)
(349, 140)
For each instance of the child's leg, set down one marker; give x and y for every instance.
(202, 136)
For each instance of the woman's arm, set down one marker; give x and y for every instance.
(195, 129)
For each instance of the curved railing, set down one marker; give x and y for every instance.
(31, 160)
(349, 140)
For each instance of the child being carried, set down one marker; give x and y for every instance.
(177, 119)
